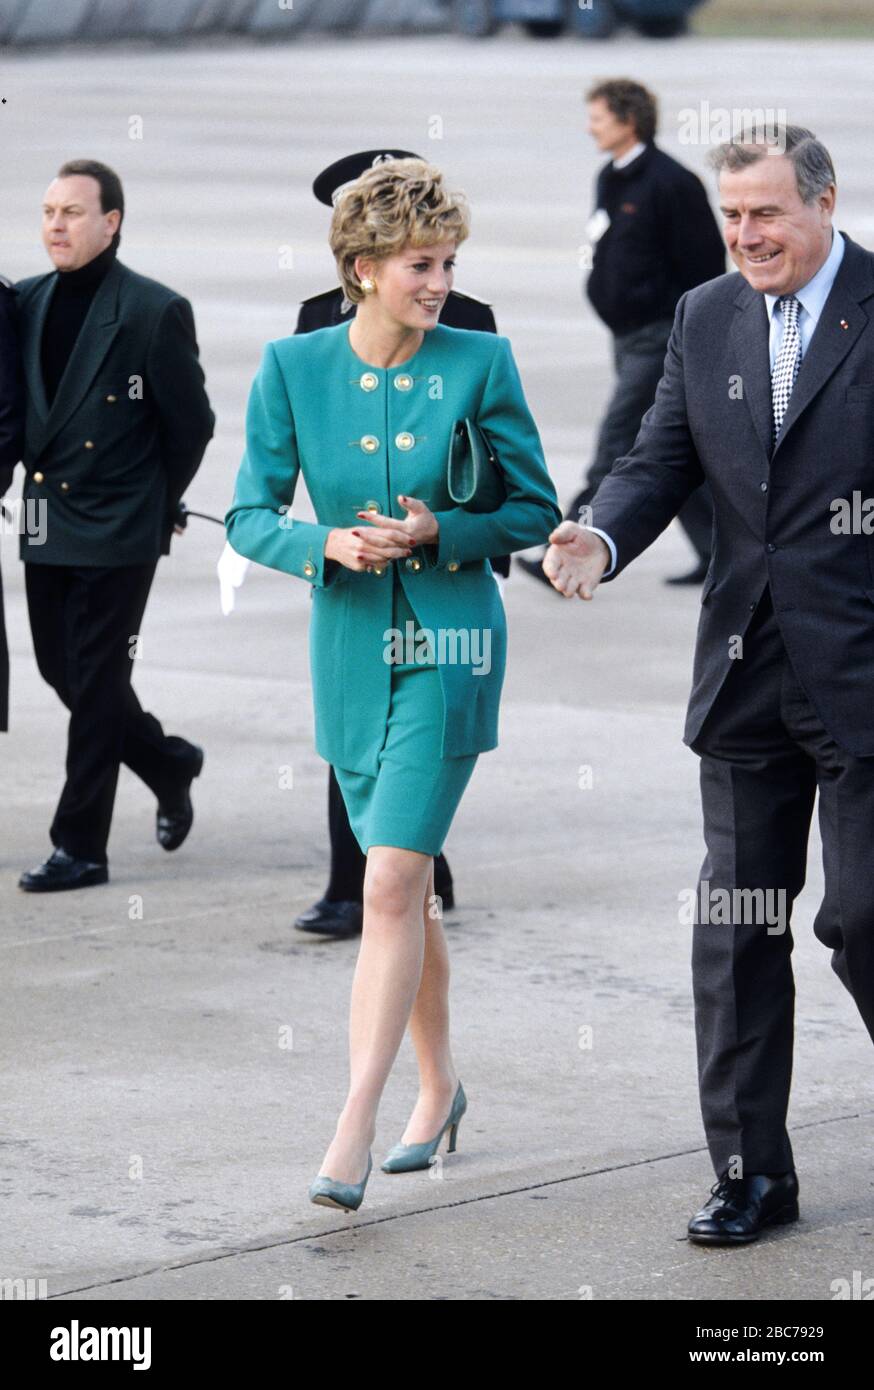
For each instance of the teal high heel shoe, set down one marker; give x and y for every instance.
(347, 1196)
(406, 1158)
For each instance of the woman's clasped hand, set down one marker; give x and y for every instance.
(384, 538)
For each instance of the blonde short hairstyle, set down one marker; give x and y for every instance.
(399, 203)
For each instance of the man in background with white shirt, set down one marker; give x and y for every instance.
(654, 237)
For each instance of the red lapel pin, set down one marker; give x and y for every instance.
(844, 323)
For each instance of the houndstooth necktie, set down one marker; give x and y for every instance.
(788, 361)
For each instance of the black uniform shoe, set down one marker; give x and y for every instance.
(535, 569)
(740, 1208)
(695, 576)
(331, 918)
(62, 870)
(176, 813)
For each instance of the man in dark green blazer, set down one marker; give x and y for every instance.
(117, 423)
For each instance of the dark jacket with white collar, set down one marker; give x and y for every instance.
(662, 240)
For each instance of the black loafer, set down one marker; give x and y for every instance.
(331, 918)
(740, 1208)
(176, 813)
(61, 871)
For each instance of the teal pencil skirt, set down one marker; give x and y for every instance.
(412, 799)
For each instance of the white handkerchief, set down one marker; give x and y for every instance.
(231, 570)
(597, 224)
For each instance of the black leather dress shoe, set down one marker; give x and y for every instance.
(740, 1208)
(62, 870)
(176, 813)
(535, 569)
(695, 576)
(331, 918)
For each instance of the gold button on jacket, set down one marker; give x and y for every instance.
(403, 382)
(405, 440)
(39, 477)
(369, 443)
(369, 382)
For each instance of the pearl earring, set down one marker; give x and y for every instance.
(368, 285)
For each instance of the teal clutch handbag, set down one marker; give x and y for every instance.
(473, 474)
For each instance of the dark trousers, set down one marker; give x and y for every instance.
(639, 358)
(4, 667)
(84, 621)
(764, 754)
(347, 861)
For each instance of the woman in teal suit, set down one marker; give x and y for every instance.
(407, 632)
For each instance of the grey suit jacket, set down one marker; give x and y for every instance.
(779, 516)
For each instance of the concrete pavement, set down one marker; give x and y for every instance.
(175, 1053)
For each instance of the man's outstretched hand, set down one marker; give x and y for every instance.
(575, 560)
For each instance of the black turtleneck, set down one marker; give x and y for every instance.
(71, 300)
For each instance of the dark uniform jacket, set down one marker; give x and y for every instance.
(128, 426)
(459, 311)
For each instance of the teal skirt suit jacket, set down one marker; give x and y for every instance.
(402, 737)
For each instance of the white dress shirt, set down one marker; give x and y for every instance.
(811, 297)
(620, 163)
(629, 155)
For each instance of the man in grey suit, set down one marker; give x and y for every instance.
(768, 395)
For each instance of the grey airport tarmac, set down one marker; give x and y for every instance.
(174, 1052)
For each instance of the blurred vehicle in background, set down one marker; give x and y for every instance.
(591, 19)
